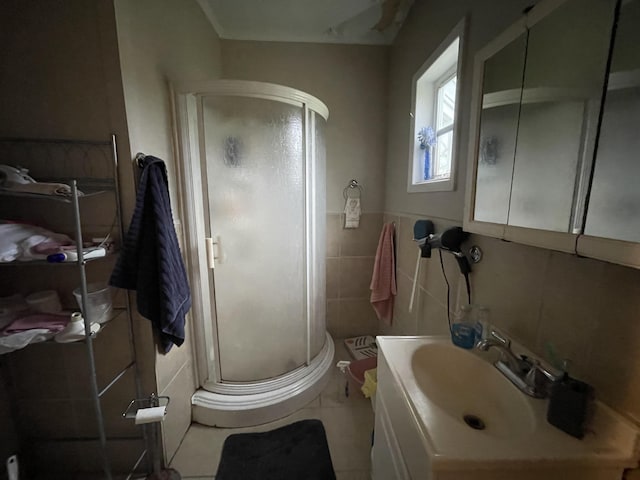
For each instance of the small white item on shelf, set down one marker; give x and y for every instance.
(13, 472)
(46, 301)
(14, 175)
(71, 255)
(150, 415)
(74, 331)
(16, 179)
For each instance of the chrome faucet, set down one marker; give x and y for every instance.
(525, 373)
(496, 340)
(540, 378)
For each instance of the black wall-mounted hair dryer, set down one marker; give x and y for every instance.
(450, 240)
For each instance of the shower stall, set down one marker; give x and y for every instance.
(253, 192)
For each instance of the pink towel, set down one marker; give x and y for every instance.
(383, 283)
(50, 321)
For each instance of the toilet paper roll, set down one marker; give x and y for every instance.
(150, 415)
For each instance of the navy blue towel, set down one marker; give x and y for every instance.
(150, 260)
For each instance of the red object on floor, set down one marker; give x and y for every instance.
(356, 369)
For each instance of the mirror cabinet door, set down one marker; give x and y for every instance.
(501, 93)
(614, 203)
(565, 69)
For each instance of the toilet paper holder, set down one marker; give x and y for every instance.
(152, 436)
(150, 402)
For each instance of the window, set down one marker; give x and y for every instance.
(435, 87)
(445, 116)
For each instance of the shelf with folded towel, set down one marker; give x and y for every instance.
(117, 316)
(55, 198)
(40, 263)
(71, 186)
(59, 189)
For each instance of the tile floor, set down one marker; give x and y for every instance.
(348, 422)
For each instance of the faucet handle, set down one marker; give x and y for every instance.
(551, 374)
(500, 337)
(539, 377)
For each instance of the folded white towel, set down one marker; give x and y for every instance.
(352, 213)
(19, 241)
(19, 340)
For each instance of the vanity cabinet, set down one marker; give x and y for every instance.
(398, 450)
(552, 164)
(427, 387)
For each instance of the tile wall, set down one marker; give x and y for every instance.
(587, 309)
(350, 256)
(429, 313)
(176, 380)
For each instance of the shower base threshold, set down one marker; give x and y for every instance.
(249, 404)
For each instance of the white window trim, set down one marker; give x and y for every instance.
(438, 85)
(437, 185)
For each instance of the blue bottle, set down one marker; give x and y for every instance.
(464, 329)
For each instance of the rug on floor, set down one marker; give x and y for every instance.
(294, 452)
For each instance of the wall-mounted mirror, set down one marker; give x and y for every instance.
(565, 69)
(541, 88)
(614, 204)
(554, 157)
(501, 95)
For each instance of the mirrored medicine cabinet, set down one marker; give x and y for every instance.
(555, 151)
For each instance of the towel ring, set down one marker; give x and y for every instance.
(354, 187)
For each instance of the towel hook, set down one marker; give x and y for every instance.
(352, 187)
(139, 159)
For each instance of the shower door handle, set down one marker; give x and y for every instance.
(211, 256)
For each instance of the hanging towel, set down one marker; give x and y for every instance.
(383, 283)
(150, 260)
(352, 213)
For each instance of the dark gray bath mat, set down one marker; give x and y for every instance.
(295, 452)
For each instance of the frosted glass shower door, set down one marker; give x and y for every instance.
(256, 182)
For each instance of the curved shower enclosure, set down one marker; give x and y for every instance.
(253, 158)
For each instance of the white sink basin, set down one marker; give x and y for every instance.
(437, 384)
(465, 387)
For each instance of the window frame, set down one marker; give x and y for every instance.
(438, 86)
(414, 182)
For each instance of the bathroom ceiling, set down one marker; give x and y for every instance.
(369, 22)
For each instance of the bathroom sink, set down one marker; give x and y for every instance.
(471, 391)
(457, 407)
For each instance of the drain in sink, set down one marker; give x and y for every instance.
(474, 422)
